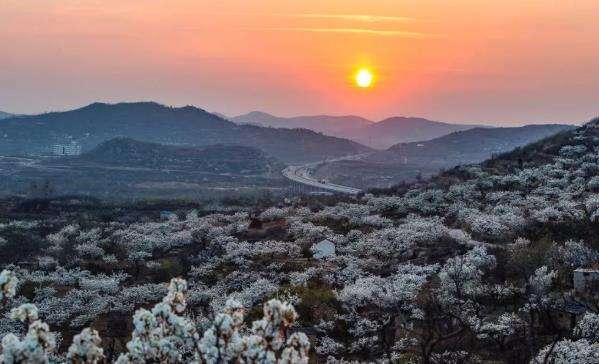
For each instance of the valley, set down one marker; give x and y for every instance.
(150, 171)
(303, 175)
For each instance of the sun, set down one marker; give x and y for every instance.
(364, 78)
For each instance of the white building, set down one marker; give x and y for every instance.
(73, 148)
(323, 250)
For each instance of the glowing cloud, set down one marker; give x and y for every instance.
(354, 17)
(381, 32)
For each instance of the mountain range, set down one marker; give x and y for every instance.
(152, 122)
(128, 145)
(5, 115)
(381, 134)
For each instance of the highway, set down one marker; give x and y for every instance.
(301, 174)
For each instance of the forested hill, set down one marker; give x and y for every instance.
(152, 122)
(215, 158)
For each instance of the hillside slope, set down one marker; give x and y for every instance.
(152, 122)
(569, 143)
(5, 115)
(407, 161)
(469, 146)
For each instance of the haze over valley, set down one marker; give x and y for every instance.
(381, 134)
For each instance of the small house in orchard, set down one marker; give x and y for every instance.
(586, 281)
(167, 215)
(323, 249)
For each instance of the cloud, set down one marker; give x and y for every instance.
(350, 17)
(365, 31)
(354, 17)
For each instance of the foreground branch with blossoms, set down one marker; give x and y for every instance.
(164, 335)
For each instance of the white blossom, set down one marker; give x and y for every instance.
(568, 351)
(86, 348)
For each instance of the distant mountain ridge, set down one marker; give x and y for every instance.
(214, 158)
(395, 130)
(381, 134)
(5, 115)
(331, 125)
(152, 122)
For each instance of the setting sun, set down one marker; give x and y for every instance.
(364, 78)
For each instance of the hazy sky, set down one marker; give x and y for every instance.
(506, 62)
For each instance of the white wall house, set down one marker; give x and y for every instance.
(323, 250)
(73, 148)
(586, 281)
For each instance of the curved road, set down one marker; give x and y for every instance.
(301, 174)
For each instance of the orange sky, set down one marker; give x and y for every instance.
(500, 62)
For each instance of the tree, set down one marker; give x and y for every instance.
(165, 335)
